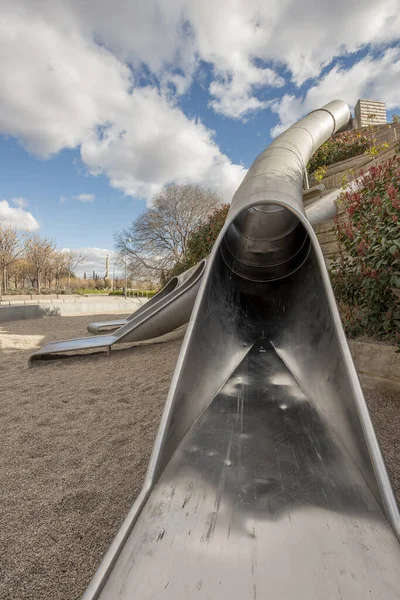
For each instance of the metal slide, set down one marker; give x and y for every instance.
(266, 479)
(171, 287)
(318, 212)
(171, 310)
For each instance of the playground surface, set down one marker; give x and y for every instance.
(76, 436)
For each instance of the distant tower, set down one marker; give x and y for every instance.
(369, 112)
(107, 267)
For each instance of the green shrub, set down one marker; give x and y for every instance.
(135, 293)
(343, 146)
(366, 273)
(202, 239)
(200, 242)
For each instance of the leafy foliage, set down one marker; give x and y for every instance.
(200, 242)
(366, 273)
(319, 173)
(343, 146)
(203, 238)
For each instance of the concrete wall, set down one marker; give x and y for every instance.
(369, 112)
(31, 310)
(40, 298)
(378, 366)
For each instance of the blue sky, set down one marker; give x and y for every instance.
(51, 187)
(102, 104)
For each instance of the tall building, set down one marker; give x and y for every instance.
(369, 112)
(107, 267)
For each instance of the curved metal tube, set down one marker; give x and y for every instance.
(323, 209)
(265, 445)
(326, 208)
(172, 286)
(267, 241)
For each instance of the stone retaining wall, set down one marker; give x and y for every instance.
(351, 168)
(378, 366)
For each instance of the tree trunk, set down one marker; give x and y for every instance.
(4, 280)
(38, 280)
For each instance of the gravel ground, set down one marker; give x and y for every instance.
(385, 414)
(75, 439)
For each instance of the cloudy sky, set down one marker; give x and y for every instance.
(102, 103)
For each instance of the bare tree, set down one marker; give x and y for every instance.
(158, 238)
(49, 271)
(73, 258)
(38, 252)
(19, 271)
(10, 251)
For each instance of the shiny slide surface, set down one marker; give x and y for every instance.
(171, 287)
(266, 478)
(172, 310)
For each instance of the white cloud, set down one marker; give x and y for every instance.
(20, 202)
(236, 37)
(375, 78)
(66, 82)
(95, 260)
(233, 91)
(85, 198)
(303, 36)
(152, 143)
(56, 85)
(61, 90)
(17, 218)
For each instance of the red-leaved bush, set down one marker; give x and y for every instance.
(366, 273)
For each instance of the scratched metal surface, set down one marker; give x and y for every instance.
(260, 500)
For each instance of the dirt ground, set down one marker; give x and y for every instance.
(75, 438)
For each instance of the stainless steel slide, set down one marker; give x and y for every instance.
(318, 212)
(266, 479)
(171, 287)
(171, 310)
